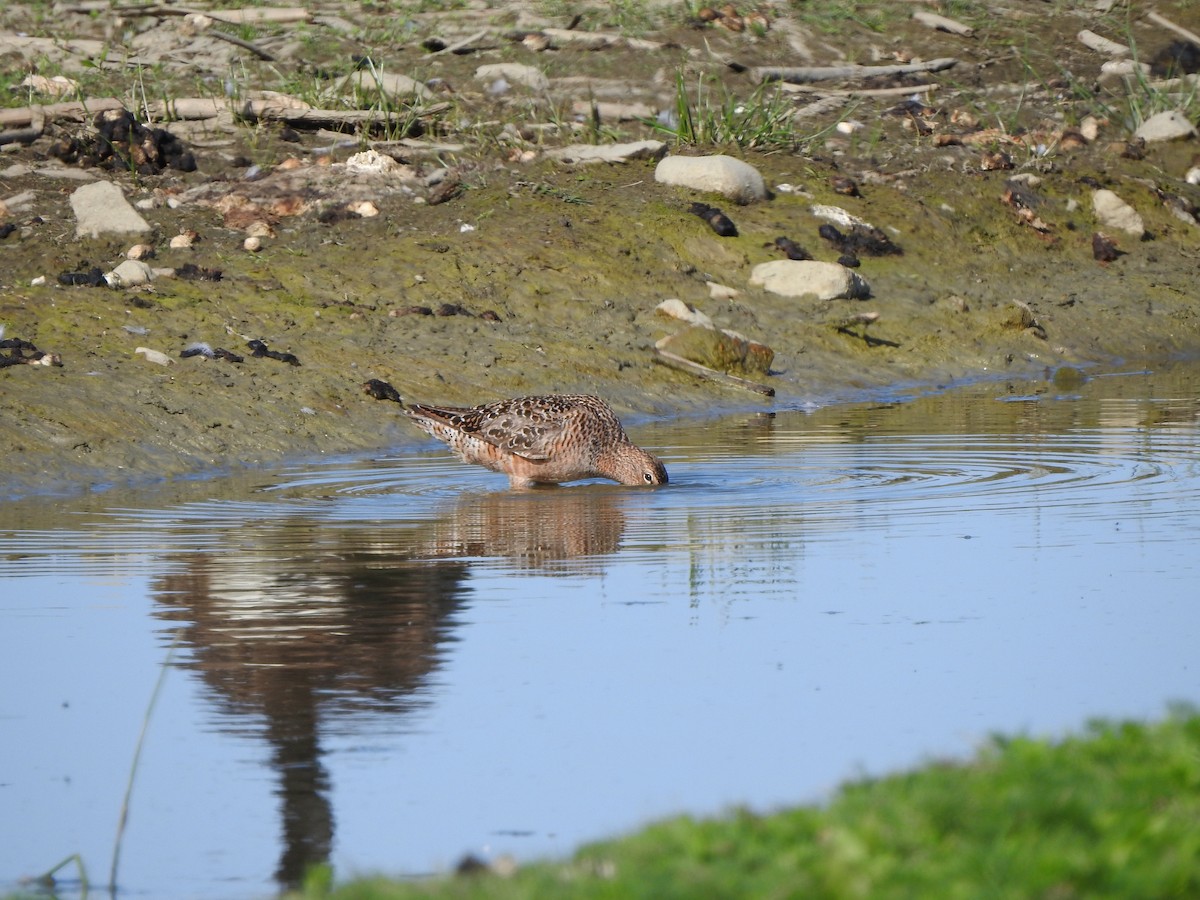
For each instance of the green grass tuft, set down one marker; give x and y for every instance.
(1110, 813)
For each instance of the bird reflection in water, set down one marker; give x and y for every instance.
(299, 627)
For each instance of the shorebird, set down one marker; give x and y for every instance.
(545, 439)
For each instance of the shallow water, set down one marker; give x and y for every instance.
(391, 663)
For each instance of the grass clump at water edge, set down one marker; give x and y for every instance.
(1110, 813)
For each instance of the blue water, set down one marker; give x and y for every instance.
(393, 662)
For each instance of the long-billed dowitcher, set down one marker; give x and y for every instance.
(536, 440)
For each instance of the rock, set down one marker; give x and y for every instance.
(513, 73)
(1019, 317)
(129, 273)
(677, 309)
(607, 111)
(612, 153)
(838, 216)
(372, 162)
(718, 291)
(1114, 212)
(1165, 126)
(101, 208)
(155, 356)
(800, 278)
(725, 351)
(737, 180)
(390, 83)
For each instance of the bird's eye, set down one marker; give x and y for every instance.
(649, 478)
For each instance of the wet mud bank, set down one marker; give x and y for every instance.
(490, 268)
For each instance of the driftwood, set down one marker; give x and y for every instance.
(679, 362)
(1101, 44)
(941, 23)
(54, 112)
(832, 93)
(806, 74)
(28, 123)
(260, 110)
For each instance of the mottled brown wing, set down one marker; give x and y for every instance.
(529, 427)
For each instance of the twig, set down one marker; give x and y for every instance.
(247, 16)
(46, 879)
(830, 73)
(260, 109)
(245, 45)
(696, 368)
(1171, 26)
(137, 752)
(458, 45)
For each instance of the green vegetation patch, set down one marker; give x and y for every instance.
(1111, 813)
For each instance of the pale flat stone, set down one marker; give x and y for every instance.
(612, 153)
(805, 278)
(1114, 212)
(101, 208)
(514, 73)
(737, 180)
(392, 84)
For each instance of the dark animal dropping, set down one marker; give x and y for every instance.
(717, 220)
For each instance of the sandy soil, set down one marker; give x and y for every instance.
(573, 260)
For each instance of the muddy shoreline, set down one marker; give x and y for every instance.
(569, 262)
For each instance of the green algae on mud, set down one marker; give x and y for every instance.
(574, 283)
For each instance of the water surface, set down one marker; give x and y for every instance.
(391, 663)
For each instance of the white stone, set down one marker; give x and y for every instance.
(1165, 126)
(1114, 212)
(838, 216)
(677, 309)
(514, 73)
(718, 291)
(101, 208)
(372, 162)
(130, 273)
(390, 83)
(737, 180)
(801, 278)
(1124, 68)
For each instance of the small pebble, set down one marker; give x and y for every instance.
(155, 356)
